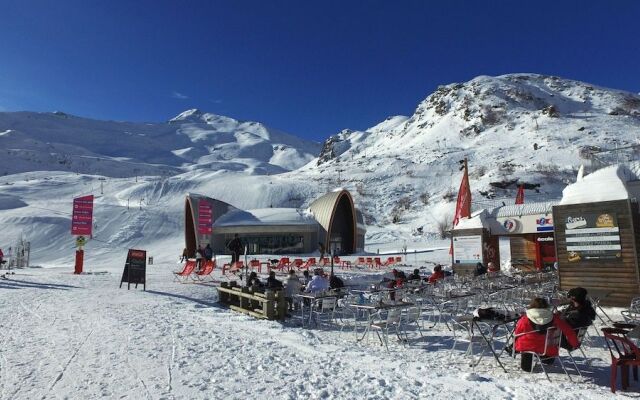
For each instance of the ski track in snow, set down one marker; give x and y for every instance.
(86, 338)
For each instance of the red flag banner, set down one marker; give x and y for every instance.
(205, 218)
(520, 195)
(82, 217)
(463, 204)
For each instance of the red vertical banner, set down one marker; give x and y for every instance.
(205, 218)
(82, 217)
(520, 195)
(463, 204)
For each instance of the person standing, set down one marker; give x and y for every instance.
(199, 257)
(235, 246)
(293, 287)
(184, 255)
(208, 253)
(322, 250)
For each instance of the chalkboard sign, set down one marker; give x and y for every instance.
(135, 269)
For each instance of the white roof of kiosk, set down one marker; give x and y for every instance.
(266, 216)
(606, 184)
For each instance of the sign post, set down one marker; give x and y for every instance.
(81, 225)
(135, 269)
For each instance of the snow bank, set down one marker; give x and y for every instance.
(606, 184)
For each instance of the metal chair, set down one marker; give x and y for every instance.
(552, 339)
(382, 325)
(324, 307)
(632, 314)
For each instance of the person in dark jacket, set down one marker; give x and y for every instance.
(273, 283)
(531, 330)
(480, 269)
(335, 282)
(579, 313)
(236, 247)
(254, 282)
(415, 275)
(208, 253)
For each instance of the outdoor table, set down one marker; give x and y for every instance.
(372, 309)
(505, 322)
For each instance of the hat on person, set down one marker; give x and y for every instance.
(578, 294)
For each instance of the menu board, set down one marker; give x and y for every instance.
(467, 249)
(592, 236)
(135, 269)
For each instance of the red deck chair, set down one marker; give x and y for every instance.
(208, 268)
(390, 261)
(297, 263)
(232, 268)
(283, 264)
(324, 261)
(255, 264)
(377, 262)
(369, 262)
(361, 261)
(398, 260)
(187, 270)
(311, 262)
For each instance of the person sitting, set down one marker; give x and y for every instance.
(480, 269)
(491, 267)
(306, 278)
(318, 283)
(335, 282)
(437, 274)
(531, 331)
(415, 275)
(273, 283)
(254, 283)
(579, 313)
(293, 287)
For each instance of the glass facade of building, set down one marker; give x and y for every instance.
(276, 244)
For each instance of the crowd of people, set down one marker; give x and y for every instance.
(531, 328)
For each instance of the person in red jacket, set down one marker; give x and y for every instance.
(437, 274)
(531, 331)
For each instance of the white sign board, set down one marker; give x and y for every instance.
(467, 249)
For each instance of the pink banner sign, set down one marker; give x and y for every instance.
(205, 218)
(82, 218)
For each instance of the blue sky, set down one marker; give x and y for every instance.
(305, 67)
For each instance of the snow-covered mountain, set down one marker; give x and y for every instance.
(514, 129)
(404, 172)
(193, 140)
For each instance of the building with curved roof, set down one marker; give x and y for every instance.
(331, 220)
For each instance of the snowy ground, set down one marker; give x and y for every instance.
(66, 336)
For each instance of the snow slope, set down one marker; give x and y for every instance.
(66, 336)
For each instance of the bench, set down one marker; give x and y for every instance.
(270, 305)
